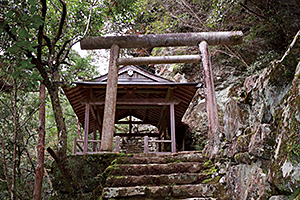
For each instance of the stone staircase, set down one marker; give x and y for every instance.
(156, 176)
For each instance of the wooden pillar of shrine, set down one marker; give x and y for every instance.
(86, 128)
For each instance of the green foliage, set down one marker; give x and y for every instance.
(220, 11)
(264, 24)
(34, 45)
(78, 68)
(18, 123)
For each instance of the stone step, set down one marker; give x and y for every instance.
(190, 156)
(153, 169)
(155, 180)
(162, 192)
(163, 198)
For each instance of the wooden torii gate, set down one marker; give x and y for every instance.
(114, 43)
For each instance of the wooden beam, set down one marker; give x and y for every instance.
(126, 107)
(117, 144)
(129, 122)
(90, 141)
(146, 147)
(164, 111)
(74, 146)
(172, 125)
(95, 111)
(160, 60)
(163, 141)
(139, 91)
(155, 86)
(86, 128)
(211, 102)
(110, 101)
(146, 110)
(135, 102)
(100, 120)
(95, 137)
(137, 134)
(96, 120)
(162, 40)
(134, 122)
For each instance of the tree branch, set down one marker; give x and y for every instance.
(69, 48)
(251, 11)
(61, 24)
(5, 166)
(56, 6)
(41, 29)
(290, 47)
(6, 105)
(8, 7)
(194, 14)
(237, 56)
(48, 43)
(29, 117)
(88, 23)
(61, 51)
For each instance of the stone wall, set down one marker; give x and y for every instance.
(262, 133)
(260, 118)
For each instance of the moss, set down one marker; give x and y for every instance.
(288, 126)
(295, 195)
(208, 164)
(206, 181)
(209, 171)
(211, 180)
(87, 171)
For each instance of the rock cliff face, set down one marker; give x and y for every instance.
(261, 129)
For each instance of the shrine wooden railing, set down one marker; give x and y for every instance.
(96, 145)
(146, 144)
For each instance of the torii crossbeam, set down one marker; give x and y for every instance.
(201, 39)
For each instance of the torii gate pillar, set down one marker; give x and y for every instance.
(211, 102)
(110, 101)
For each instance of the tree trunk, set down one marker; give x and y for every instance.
(59, 119)
(5, 166)
(13, 185)
(39, 172)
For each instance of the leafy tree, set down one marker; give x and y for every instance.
(17, 135)
(41, 35)
(36, 38)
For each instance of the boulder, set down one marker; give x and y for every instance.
(262, 142)
(247, 182)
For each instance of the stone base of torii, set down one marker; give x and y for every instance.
(114, 43)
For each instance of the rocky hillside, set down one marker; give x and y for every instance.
(260, 140)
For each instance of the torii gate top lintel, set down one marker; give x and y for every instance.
(163, 40)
